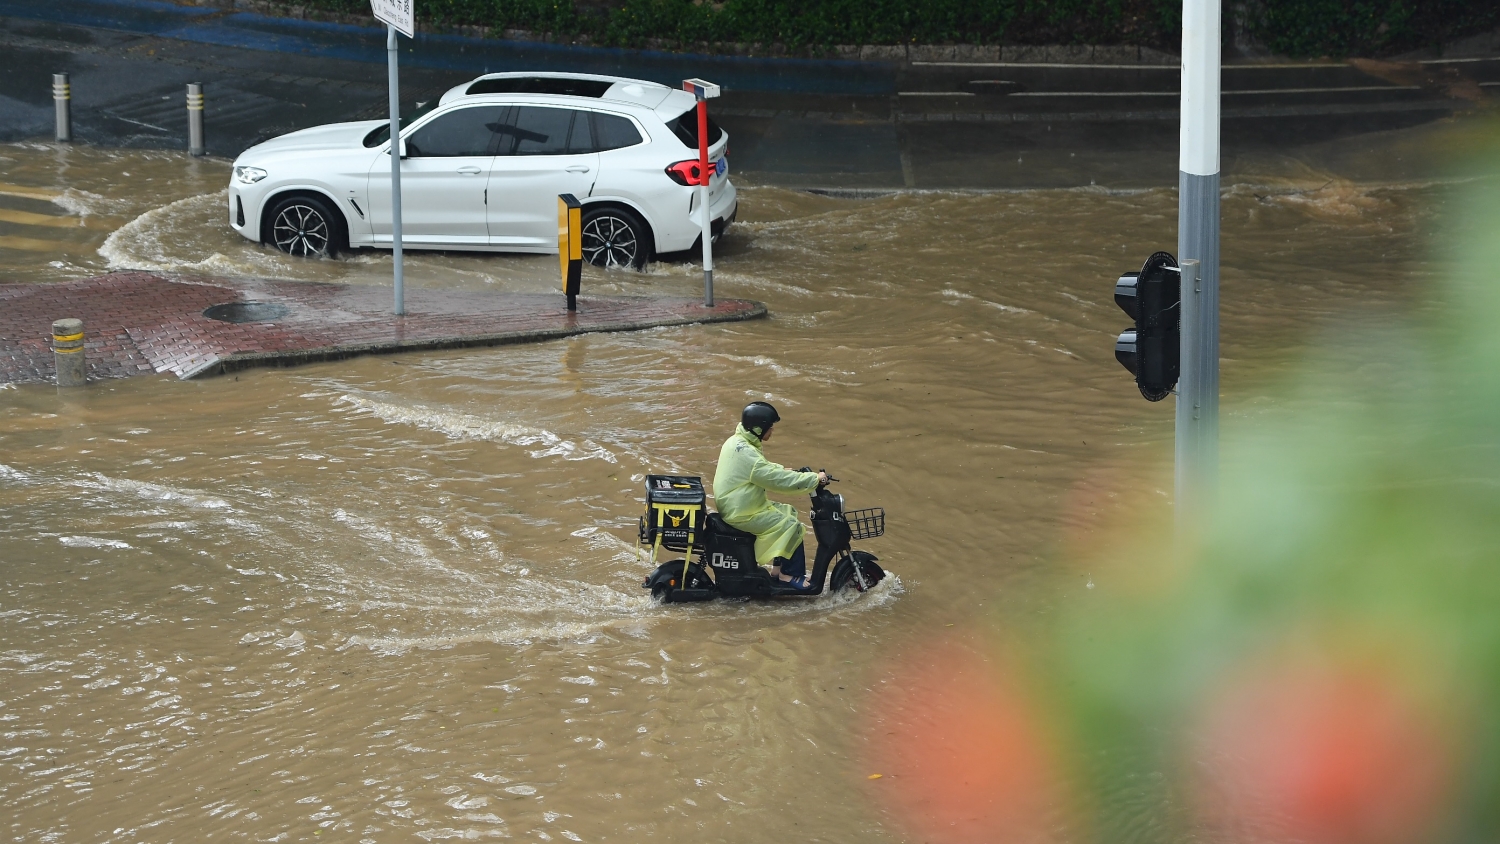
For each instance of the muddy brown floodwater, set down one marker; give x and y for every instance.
(398, 596)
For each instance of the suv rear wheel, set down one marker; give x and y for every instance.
(307, 227)
(615, 237)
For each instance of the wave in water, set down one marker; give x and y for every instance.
(464, 426)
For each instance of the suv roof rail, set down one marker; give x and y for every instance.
(555, 85)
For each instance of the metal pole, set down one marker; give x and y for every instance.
(195, 118)
(703, 213)
(62, 97)
(1198, 253)
(395, 97)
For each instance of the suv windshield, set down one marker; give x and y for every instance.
(685, 127)
(381, 134)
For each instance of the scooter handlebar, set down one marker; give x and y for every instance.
(831, 478)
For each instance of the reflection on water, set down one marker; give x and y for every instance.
(399, 595)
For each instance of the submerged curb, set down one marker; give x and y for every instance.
(143, 323)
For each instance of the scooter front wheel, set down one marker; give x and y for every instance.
(857, 569)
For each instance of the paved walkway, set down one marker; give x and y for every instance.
(139, 323)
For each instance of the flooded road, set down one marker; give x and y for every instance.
(398, 596)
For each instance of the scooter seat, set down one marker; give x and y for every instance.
(722, 528)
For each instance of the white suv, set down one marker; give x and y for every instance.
(483, 167)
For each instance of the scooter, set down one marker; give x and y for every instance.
(719, 560)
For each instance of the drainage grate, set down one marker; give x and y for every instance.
(238, 312)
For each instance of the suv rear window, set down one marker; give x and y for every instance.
(685, 127)
(594, 88)
(613, 132)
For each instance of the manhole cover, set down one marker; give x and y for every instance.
(246, 312)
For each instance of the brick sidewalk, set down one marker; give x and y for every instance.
(140, 323)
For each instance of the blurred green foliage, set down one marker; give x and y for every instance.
(1291, 27)
(1349, 569)
(1365, 27)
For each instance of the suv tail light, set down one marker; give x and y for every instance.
(685, 172)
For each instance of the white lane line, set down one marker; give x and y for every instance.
(1226, 93)
(33, 244)
(27, 218)
(28, 192)
(1284, 66)
(934, 93)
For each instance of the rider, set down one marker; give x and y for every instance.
(741, 481)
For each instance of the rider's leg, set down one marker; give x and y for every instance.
(790, 569)
(797, 565)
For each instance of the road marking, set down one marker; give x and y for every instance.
(32, 244)
(27, 192)
(26, 218)
(1225, 93)
(1049, 64)
(139, 123)
(1143, 66)
(934, 93)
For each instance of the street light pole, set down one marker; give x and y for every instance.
(1197, 457)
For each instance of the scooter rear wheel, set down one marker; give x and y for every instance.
(667, 580)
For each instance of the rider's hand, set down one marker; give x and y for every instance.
(822, 478)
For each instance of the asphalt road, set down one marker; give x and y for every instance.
(804, 123)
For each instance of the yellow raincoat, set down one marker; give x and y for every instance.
(741, 481)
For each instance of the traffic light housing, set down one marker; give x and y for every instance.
(1152, 348)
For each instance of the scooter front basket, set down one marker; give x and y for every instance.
(866, 524)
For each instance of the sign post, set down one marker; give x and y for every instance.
(704, 91)
(397, 16)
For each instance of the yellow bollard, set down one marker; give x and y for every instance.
(570, 246)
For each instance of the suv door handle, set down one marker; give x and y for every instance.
(578, 168)
(469, 170)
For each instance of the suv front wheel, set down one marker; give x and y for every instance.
(307, 227)
(615, 237)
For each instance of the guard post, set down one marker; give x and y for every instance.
(195, 118)
(704, 91)
(62, 99)
(67, 352)
(570, 246)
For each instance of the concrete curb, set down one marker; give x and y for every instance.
(140, 323)
(251, 360)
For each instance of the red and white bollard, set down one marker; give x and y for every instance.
(704, 91)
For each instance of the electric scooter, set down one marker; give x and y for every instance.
(719, 560)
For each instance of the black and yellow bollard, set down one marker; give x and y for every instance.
(570, 245)
(67, 352)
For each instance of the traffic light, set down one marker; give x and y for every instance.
(1151, 350)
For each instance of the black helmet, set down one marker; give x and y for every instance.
(758, 417)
